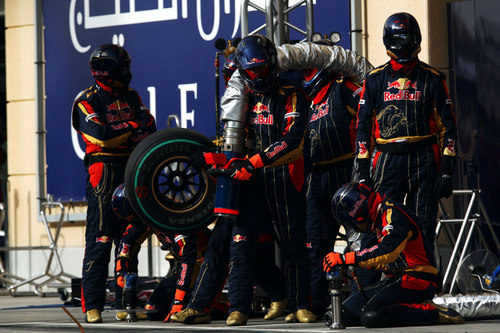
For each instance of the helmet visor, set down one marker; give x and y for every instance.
(258, 72)
(400, 41)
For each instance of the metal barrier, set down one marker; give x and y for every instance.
(470, 222)
(277, 24)
(5, 277)
(46, 277)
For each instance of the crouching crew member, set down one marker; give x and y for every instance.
(405, 296)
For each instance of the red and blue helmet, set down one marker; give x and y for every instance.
(120, 204)
(402, 37)
(110, 66)
(256, 59)
(229, 67)
(350, 206)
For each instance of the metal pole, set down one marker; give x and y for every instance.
(459, 238)
(309, 19)
(356, 28)
(464, 250)
(270, 20)
(244, 18)
(40, 103)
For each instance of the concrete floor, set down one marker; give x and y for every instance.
(44, 314)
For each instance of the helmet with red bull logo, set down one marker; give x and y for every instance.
(402, 37)
(110, 66)
(120, 204)
(350, 206)
(256, 59)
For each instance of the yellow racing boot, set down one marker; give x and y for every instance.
(236, 318)
(276, 309)
(446, 315)
(301, 316)
(93, 316)
(191, 316)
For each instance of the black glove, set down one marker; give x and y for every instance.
(364, 172)
(445, 181)
(445, 186)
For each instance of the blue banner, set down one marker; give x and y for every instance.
(171, 43)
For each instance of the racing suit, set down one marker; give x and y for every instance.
(277, 122)
(174, 289)
(408, 109)
(405, 256)
(214, 269)
(331, 135)
(112, 123)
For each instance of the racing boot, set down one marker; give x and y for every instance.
(122, 315)
(93, 316)
(447, 316)
(276, 309)
(236, 318)
(301, 316)
(191, 316)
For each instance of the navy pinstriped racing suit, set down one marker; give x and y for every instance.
(277, 121)
(112, 123)
(408, 109)
(331, 134)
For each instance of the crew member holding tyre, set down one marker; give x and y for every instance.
(112, 120)
(277, 121)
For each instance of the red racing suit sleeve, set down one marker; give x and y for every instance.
(293, 127)
(392, 241)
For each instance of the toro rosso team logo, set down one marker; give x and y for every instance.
(261, 115)
(402, 84)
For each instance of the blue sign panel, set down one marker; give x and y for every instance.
(171, 43)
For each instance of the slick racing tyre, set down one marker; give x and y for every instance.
(168, 189)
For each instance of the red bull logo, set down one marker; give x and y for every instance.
(276, 149)
(263, 120)
(239, 238)
(402, 84)
(255, 60)
(102, 239)
(403, 95)
(362, 150)
(320, 111)
(259, 108)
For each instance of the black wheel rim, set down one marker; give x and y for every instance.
(178, 185)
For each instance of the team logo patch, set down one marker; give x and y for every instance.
(102, 239)
(239, 238)
(402, 84)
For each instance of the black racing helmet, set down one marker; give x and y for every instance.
(350, 206)
(256, 59)
(402, 37)
(229, 68)
(110, 65)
